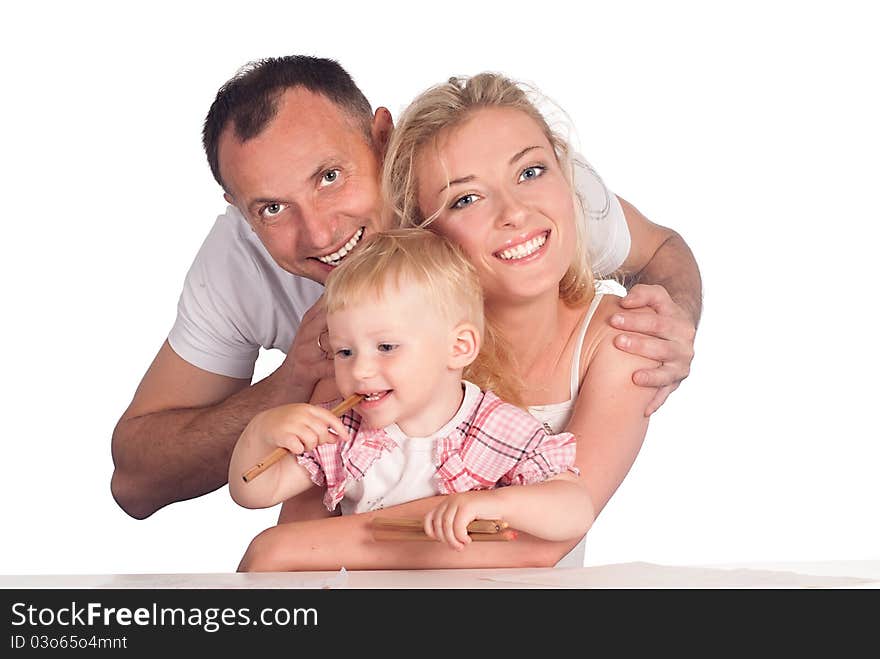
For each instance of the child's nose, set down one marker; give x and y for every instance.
(364, 367)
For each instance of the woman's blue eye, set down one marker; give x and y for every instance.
(466, 200)
(386, 347)
(532, 172)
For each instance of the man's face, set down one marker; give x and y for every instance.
(308, 184)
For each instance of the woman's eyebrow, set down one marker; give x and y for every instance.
(520, 154)
(468, 179)
(463, 179)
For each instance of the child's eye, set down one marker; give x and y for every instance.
(532, 172)
(343, 353)
(464, 201)
(386, 347)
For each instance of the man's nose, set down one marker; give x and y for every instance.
(319, 226)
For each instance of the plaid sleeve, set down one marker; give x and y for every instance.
(325, 464)
(503, 445)
(537, 454)
(550, 455)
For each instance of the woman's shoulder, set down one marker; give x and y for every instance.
(600, 336)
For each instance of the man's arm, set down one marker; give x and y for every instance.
(661, 273)
(660, 256)
(175, 440)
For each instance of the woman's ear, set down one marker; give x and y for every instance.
(465, 345)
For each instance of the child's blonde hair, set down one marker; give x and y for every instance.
(446, 106)
(387, 259)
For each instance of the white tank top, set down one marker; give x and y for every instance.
(556, 416)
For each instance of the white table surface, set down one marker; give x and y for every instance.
(828, 574)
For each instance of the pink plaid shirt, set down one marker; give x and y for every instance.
(497, 444)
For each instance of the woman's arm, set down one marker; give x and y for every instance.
(608, 418)
(336, 542)
(556, 509)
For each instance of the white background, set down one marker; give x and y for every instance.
(752, 129)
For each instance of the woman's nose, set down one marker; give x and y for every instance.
(512, 212)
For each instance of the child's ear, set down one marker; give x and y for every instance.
(465, 345)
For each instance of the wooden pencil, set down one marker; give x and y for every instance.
(417, 536)
(280, 452)
(403, 524)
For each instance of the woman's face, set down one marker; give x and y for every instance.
(507, 202)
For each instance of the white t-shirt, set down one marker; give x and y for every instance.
(236, 299)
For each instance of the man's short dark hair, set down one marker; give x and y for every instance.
(250, 98)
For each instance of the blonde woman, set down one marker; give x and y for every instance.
(475, 161)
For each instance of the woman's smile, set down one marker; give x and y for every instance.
(526, 250)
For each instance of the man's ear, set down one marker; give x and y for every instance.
(380, 130)
(465, 345)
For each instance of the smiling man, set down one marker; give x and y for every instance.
(298, 150)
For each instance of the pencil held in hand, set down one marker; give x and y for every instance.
(419, 536)
(485, 530)
(280, 452)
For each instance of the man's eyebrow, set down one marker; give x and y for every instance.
(265, 200)
(468, 179)
(321, 168)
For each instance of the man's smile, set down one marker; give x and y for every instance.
(335, 258)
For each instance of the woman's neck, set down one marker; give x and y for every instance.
(531, 328)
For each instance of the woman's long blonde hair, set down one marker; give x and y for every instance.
(442, 108)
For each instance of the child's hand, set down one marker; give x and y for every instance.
(448, 521)
(297, 427)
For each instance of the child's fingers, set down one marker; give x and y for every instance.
(300, 440)
(428, 523)
(328, 420)
(449, 534)
(438, 524)
(459, 527)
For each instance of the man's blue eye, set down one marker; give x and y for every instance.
(271, 210)
(329, 177)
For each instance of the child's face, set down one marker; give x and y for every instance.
(398, 349)
(509, 207)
